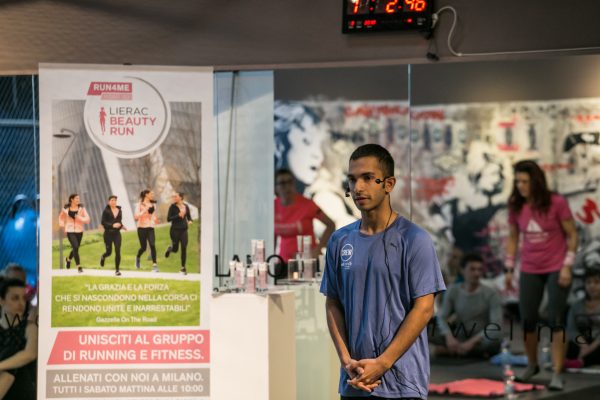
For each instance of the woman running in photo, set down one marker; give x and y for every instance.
(72, 218)
(180, 217)
(112, 221)
(145, 215)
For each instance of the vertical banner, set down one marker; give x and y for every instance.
(125, 239)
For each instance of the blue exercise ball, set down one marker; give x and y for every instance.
(18, 239)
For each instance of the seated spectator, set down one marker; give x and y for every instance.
(18, 343)
(583, 325)
(475, 313)
(16, 271)
(451, 273)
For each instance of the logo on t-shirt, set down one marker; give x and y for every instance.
(346, 255)
(347, 251)
(535, 233)
(533, 226)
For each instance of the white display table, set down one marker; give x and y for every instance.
(253, 346)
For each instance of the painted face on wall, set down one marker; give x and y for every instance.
(305, 155)
(484, 172)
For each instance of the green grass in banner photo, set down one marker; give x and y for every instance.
(92, 247)
(100, 301)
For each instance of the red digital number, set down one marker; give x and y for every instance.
(416, 5)
(356, 4)
(389, 8)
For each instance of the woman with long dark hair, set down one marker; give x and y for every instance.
(544, 220)
(145, 215)
(112, 221)
(180, 217)
(72, 218)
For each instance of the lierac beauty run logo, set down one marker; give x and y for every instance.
(128, 117)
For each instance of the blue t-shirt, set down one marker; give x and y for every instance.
(376, 295)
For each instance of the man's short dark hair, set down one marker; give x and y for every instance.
(112, 196)
(7, 284)
(384, 157)
(592, 272)
(470, 257)
(284, 171)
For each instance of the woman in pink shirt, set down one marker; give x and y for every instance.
(547, 227)
(294, 215)
(145, 215)
(72, 218)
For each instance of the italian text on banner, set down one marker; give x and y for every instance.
(131, 347)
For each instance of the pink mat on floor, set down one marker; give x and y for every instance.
(478, 387)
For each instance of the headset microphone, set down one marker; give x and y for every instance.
(347, 193)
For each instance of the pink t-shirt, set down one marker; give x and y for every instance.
(544, 241)
(292, 220)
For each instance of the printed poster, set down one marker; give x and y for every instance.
(125, 287)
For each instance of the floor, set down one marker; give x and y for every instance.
(578, 386)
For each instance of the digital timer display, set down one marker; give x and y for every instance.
(380, 15)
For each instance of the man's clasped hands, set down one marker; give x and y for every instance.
(365, 374)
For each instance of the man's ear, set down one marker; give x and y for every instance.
(389, 184)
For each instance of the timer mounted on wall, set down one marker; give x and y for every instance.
(386, 15)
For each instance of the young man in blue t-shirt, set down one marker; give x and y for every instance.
(381, 276)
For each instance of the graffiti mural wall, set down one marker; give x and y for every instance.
(453, 163)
